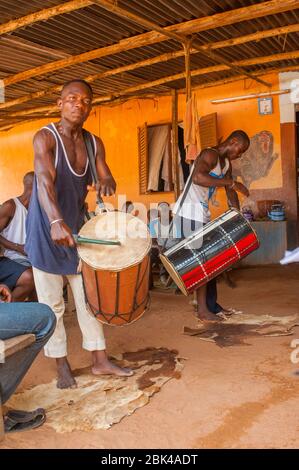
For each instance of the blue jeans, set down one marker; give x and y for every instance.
(17, 319)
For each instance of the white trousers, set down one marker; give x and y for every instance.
(49, 288)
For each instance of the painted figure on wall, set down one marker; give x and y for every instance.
(257, 162)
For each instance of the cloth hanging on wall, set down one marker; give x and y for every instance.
(167, 169)
(166, 176)
(191, 130)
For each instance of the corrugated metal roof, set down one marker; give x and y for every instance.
(93, 27)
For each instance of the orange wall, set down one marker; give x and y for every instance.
(244, 115)
(117, 126)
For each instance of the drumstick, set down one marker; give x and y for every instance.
(95, 241)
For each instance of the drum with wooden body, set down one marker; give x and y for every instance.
(209, 251)
(116, 278)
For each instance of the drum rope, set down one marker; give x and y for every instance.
(227, 235)
(224, 264)
(110, 316)
(136, 291)
(117, 295)
(145, 301)
(205, 250)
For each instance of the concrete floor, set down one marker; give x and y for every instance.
(237, 397)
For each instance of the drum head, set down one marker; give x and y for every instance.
(132, 233)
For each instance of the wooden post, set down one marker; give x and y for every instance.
(187, 47)
(175, 166)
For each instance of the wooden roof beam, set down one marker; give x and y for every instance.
(43, 15)
(112, 7)
(212, 83)
(158, 59)
(91, 78)
(218, 58)
(189, 27)
(161, 81)
(253, 37)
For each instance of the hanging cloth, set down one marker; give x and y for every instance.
(191, 130)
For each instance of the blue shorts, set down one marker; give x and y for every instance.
(10, 271)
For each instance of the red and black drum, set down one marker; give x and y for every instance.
(209, 251)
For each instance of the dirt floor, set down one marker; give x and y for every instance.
(236, 397)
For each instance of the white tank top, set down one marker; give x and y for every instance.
(196, 204)
(16, 230)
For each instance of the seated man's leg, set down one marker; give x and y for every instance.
(18, 278)
(24, 287)
(19, 319)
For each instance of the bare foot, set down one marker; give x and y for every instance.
(105, 367)
(206, 315)
(65, 377)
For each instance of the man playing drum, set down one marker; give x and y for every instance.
(56, 211)
(212, 169)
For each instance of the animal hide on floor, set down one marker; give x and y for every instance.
(238, 327)
(100, 401)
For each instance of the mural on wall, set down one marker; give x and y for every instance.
(257, 162)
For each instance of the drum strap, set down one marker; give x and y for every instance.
(184, 195)
(185, 192)
(92, 165)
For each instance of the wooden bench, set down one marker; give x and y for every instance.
(12, 346)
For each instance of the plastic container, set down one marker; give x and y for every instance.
(277, 212)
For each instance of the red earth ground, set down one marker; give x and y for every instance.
(235, 397)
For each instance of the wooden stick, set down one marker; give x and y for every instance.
(250, 96)
(189, 27)
(187, 70)
(95, 241)
(175, 166)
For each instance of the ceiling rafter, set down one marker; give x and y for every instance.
(189, 27)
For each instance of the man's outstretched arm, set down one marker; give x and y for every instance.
(44, 167)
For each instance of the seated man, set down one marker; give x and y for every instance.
(13, 214)
(18, 278)
(129, 208)
(18, 319)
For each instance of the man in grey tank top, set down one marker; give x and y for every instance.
(56, 212)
